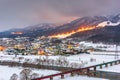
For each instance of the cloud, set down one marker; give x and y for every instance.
(20, 13)
(86, 7)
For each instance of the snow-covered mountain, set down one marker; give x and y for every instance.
(114, 18)
(107, 32)
(30, 31)
(42, 26)
(87, 28)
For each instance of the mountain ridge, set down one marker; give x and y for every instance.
(84, 22)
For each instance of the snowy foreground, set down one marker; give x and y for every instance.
(6, 72)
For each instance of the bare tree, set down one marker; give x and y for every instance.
(14, 77)
(25, 74)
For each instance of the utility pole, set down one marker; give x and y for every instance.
(116, 52)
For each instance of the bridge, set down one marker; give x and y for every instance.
(89, 71)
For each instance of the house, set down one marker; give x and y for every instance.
(41, 52)
(2, 48)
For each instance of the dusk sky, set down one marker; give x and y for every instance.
(22, 13)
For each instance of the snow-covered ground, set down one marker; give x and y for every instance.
(115, 68)
(80, 60)
(105, 53)
(86, 58)
(6, 72)
(101, 46)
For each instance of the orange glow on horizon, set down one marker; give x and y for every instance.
(18, 33)
(66, 34)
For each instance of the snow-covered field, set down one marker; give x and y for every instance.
(84, 59)
(101, 46)
(80, 60)
(6, 72)
(105, 53)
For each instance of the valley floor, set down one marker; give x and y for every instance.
(6, 72)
